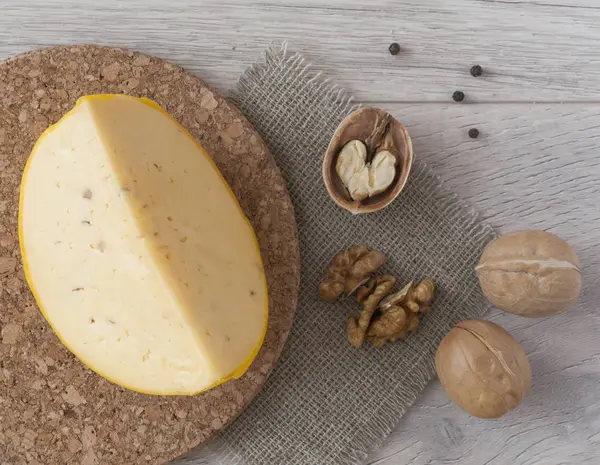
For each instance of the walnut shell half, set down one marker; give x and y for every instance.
(379, 132)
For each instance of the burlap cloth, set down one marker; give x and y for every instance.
(327, 403)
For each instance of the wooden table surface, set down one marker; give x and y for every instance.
(535, 165)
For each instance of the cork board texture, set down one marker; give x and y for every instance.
(53, 410)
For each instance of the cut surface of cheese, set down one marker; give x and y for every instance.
(137, 251)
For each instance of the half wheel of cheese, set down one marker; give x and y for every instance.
(137, 251)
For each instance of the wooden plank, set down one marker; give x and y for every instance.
(540, 159)
(536, 50)
(533, 167)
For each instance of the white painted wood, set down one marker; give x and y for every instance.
(534, 166)
(532, 50)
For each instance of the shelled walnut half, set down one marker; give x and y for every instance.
(358, 327)
(395, 315)
(349, 270)
(368, 161)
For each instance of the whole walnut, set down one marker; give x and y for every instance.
(484, 370)
(530, 273)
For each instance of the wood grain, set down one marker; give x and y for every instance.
(531, 50)
(534, 166)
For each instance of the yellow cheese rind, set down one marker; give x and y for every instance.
(213, 358)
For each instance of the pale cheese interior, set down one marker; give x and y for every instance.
(138, 253)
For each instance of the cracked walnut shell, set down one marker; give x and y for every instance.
(368, 161)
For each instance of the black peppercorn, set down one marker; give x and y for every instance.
(474, 133)
(394, 48)
(476, 71)
(458, 96)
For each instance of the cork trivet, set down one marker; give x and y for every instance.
(53, 410)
